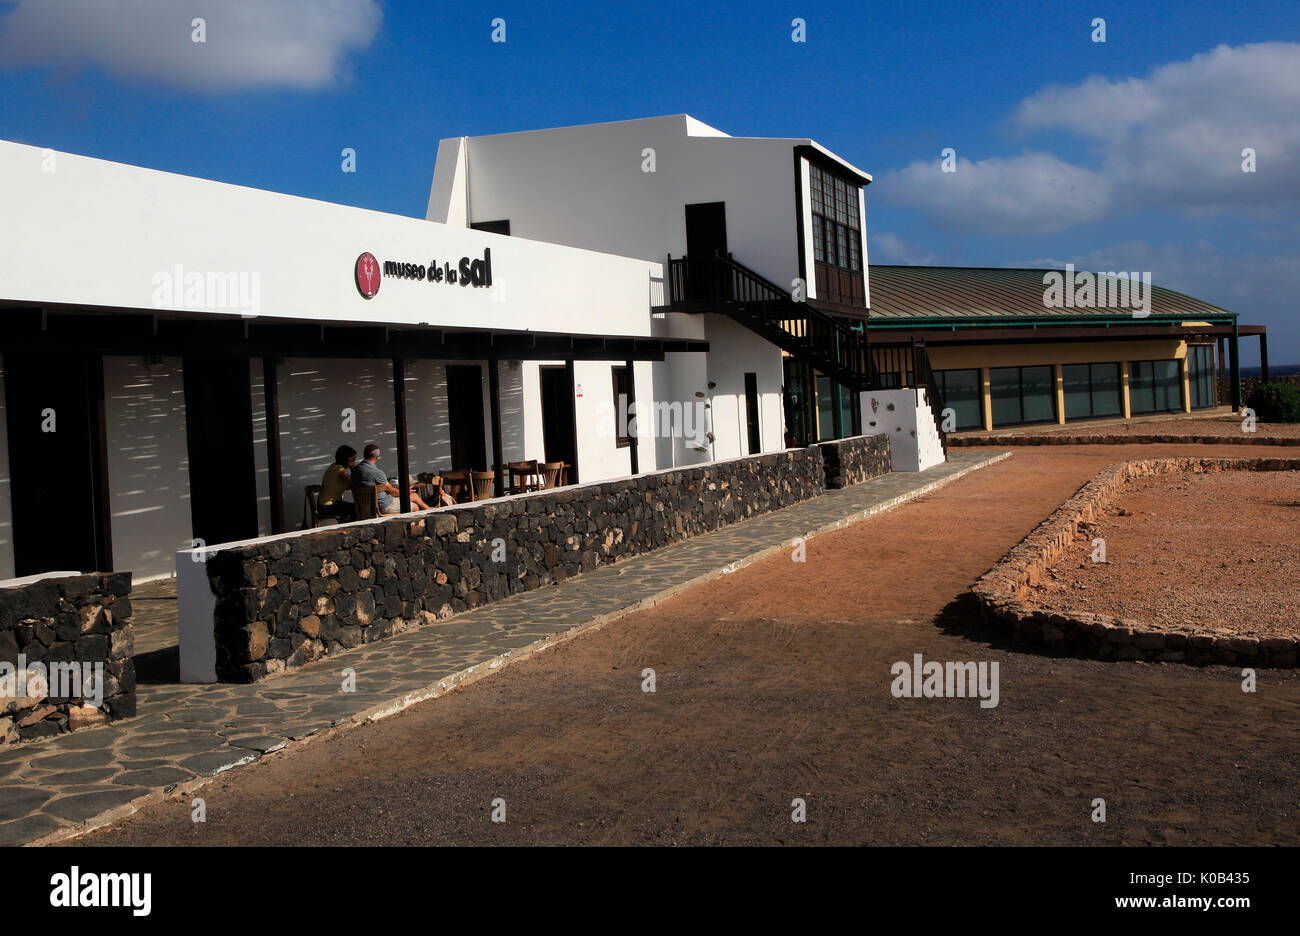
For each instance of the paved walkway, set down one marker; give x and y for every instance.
(187, 733)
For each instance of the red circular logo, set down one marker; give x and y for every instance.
(367, 275)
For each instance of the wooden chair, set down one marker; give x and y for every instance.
(365, 497)
(456, 483)
(523, 477)
(429, 487)
(311, 502)
(551, 473)
(482, 483)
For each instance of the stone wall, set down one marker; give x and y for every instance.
(283, 601)
(1248, 384)
(854, 460)
(48, 625)
(1003, 591)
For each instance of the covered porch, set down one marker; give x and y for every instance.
(181, 429)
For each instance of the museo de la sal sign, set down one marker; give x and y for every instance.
(369, 272)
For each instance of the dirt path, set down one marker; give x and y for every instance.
(774, 683)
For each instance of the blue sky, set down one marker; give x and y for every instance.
(1115, 155)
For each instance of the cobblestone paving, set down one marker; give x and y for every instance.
(187, 733)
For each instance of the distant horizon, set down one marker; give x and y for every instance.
(1274, 370)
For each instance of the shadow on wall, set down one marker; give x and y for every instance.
(148, 472)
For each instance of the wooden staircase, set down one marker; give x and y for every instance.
(826, 342)
(720, 284)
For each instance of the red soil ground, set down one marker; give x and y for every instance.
(1192, 553)
(774, 683)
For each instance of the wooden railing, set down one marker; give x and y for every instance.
(807, 333)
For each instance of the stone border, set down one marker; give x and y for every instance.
(1062, 438)
(1003, 590)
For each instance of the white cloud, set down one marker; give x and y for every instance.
(888, 248)
(1173, 139)
(1176, 136)
(249, 43)
(1030, 193)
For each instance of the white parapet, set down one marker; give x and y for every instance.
(904, 416)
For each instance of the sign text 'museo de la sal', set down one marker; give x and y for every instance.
(466, 273)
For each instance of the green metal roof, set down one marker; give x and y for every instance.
(904, 295)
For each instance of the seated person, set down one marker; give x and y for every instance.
(386, 494)
(336, 480)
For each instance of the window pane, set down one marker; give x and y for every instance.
(1141, 391)
(1004, 386)
(1169, 389)
(1078, 395)
(1105, 390)
(961, 392)
(1200, 375)
(825, 417)
(1038, 387)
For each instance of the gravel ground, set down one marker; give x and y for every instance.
(774, 683)
(1194, 553)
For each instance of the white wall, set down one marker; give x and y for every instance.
(101, 232)
(905, 416)
(599, 457)
(744, 352)
(148, 464)
(584, 186)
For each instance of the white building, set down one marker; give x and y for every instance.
(786, 209)
(145, 310)
(182, 357)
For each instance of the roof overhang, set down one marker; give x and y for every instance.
(817, 153)
(76, 330)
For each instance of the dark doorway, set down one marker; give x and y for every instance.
(706, 235)
(223, 469)
(751, 413)
(557, 414)
(465, 412)
(57, 463)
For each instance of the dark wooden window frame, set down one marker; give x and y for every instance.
(837, 235)
(623, 386)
